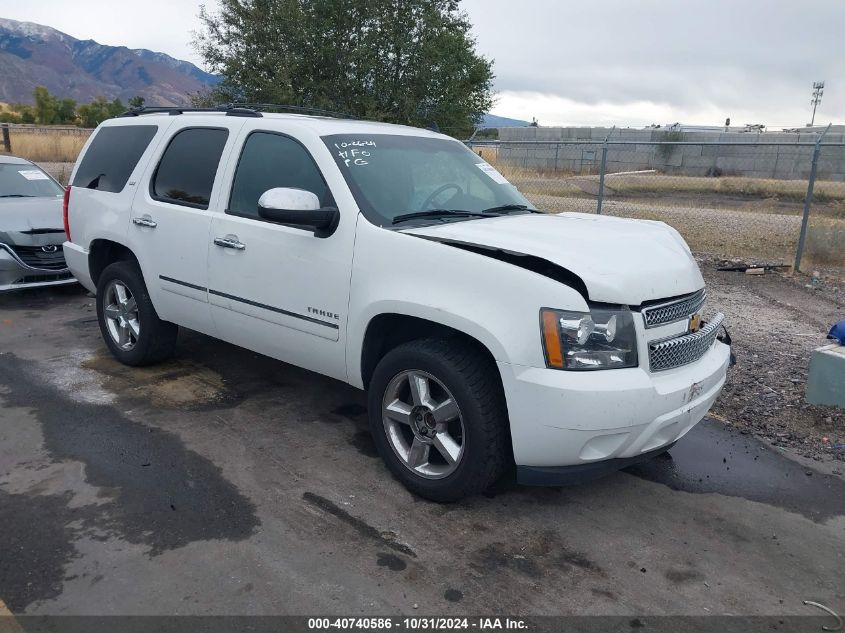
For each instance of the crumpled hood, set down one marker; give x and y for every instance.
(23, 219)
(620, 260)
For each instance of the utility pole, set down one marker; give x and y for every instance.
(818, 91)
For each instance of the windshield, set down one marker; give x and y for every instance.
(26, 181)
(392, 175)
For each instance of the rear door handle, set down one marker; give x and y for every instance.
(145, 220)
(230, 241)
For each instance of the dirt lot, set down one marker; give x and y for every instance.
(223, 482)
(776, 322)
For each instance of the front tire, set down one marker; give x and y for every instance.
(438, 418)
(128, 321)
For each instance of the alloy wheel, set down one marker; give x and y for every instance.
(423, 424)
(121, 314)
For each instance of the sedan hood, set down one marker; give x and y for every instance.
(31, 221)
(620, 261)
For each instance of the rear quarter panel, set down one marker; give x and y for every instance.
(97, 214)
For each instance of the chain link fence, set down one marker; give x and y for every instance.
(742, 199)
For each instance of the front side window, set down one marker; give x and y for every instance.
(268, 161)
(185, 174)
(392, 175)
(112, 156)
(26, 181)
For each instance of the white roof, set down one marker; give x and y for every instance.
(319, 125)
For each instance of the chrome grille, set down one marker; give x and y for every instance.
(674, 310)
(685, 349)
(37, 257)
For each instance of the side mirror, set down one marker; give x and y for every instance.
(300, 208)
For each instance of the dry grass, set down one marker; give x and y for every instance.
(825, 245)
(734, 191)
(47, 147)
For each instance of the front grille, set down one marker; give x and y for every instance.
(36, 257)
(685, 349)
(35, 279)
(674, 310)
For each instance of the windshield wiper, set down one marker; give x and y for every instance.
(511, 207)
(16, 195)
(440, 213)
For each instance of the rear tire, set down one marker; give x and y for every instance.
(439, 419)
(128, 321)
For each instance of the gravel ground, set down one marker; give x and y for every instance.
(776, 322)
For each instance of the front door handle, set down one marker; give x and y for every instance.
(230, 241)
(145, 220)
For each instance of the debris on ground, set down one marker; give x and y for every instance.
(776, 324)
(830, 611)
(750, 267)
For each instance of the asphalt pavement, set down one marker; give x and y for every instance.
(224, 482)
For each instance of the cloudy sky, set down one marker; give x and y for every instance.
(623, 62)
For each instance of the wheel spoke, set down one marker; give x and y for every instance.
(120, 293)
(418, 454)
(130, 305)
(111, 311)
(398, 411)
(123, 335)
(447, 447)
(445, 411)
(419, 389)
(135, 328)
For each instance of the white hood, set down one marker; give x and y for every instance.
(620, 260)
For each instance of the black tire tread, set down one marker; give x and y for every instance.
(159, 336)
(482, 379)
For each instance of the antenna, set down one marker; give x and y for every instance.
(818, 91)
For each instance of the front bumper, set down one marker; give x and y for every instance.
(566, 419)
(16, 275)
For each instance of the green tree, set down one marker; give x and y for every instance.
(402, 61)
(46, 106)
(137, 101)
(116, 108)
(66, 111)
(94, 113)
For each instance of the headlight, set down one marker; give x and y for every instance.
(599, 339)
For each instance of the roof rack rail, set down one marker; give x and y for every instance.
(229, 109)
(295, 109)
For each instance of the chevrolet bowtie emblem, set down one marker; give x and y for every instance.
(695, 323)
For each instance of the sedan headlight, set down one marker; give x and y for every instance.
(599, 339)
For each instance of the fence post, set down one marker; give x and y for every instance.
(7, 141)
(799, 252)
(602, 169)
(557, 151)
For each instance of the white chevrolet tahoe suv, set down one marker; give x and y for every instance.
(485, 332)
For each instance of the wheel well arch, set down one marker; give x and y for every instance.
(389, 330)
(105, 252)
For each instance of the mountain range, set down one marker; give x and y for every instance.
(34, 55)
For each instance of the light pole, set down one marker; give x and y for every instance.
(818, 91)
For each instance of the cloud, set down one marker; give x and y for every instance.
(681, 60)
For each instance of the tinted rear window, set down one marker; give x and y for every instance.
(112, 156)
(186, 172)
